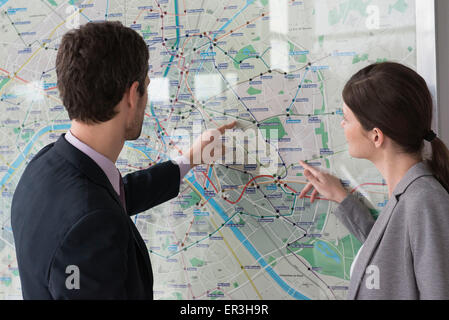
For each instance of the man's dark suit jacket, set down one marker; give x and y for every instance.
(65, 212)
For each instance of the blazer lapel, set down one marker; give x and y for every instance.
(85, 164)
(369, 247)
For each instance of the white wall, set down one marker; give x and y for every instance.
(442, 21)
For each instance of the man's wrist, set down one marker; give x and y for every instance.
(184, 165)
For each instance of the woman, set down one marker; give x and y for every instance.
(405, 253)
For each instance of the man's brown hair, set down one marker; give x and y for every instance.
(95, 65)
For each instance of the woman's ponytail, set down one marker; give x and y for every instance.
(439, 163)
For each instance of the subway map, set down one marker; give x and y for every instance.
(237, 230)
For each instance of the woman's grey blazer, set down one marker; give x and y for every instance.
(406, 251)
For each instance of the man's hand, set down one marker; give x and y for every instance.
(203, 149)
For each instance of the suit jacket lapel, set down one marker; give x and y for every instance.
(379, 227)
(85, 164)
(369, 247)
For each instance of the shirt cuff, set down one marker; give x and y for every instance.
(184, 166)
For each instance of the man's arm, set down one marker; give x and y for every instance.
(148, 188)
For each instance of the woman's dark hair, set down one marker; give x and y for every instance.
(396, 99)
(95, 65)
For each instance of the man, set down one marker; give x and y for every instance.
(71, 209)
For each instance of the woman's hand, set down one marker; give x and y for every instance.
(325, 184)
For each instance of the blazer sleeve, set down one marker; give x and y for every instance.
(91, 260)
(356, 217)
(427, 224)
(148, 188)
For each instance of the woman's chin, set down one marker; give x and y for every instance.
(355, 154)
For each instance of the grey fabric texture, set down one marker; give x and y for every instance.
(406, 250)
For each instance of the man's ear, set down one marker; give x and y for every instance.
(377, 137)
(133, 95)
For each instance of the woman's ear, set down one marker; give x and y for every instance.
(377, 137)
